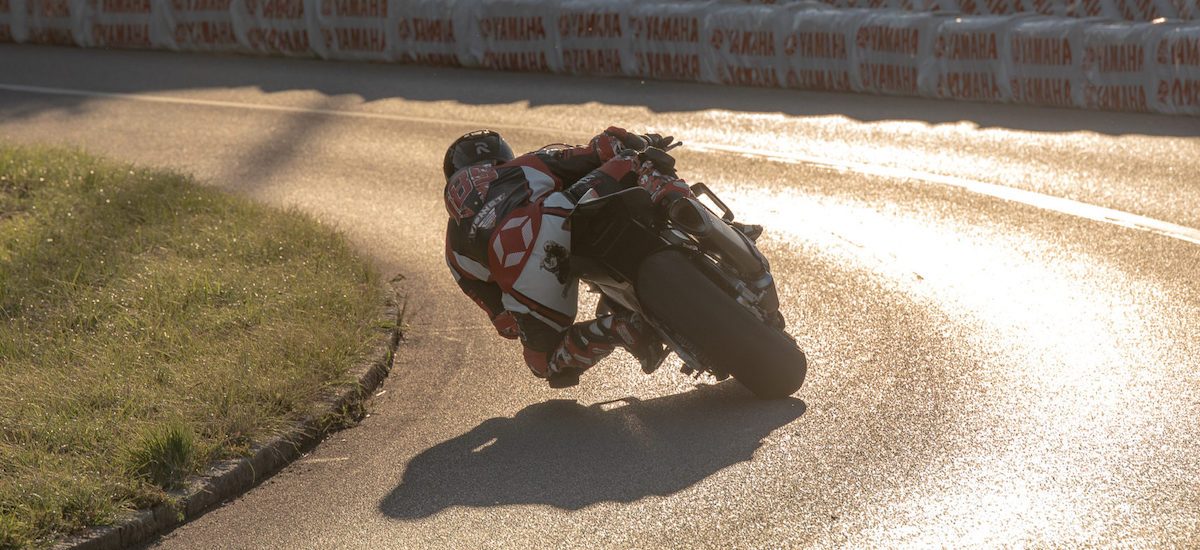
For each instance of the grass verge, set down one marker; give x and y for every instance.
(149, 326)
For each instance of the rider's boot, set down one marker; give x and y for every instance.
(639, 339)
(585, 344)
(582, 346)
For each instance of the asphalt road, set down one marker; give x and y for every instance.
(1001, 307)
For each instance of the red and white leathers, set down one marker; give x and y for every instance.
(511, 255)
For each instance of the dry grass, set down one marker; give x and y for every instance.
(149, 326)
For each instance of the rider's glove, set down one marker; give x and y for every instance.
(662, 161)
(506, 325)
(663, 188)
(614, 141)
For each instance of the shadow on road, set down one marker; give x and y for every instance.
(125, 71)
(567, 455)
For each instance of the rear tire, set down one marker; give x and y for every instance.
(723, 333)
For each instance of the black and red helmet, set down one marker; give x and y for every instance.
(474, 148)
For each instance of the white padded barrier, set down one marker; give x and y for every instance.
(1117, 66)
(667, 41)
(745, 43)
(362, 30)
(12, 21)
(427, 32)
(275, 27)
(595, 37)
(1125, 55)
(817, 50)
(890, 50)
(1044, 61)
(199, 25)
(509, 35)
(55, 22)
(124, 24)
(1177, 70)
(970, 59)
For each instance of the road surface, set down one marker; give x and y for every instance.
(1001, 307)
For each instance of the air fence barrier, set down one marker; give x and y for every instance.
(1121, 55)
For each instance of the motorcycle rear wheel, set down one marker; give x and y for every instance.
(721, 332)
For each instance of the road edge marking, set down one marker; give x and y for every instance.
(1032, 198)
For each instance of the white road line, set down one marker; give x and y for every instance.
(255, 106)
(1031, 198)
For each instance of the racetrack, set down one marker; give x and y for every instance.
(1001, 307)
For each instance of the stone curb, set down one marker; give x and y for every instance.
(230, 478)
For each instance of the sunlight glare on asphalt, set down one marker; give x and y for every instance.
(1074, 318)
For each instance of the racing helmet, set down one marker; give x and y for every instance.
(475, 148)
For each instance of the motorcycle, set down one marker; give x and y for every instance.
(696, 278)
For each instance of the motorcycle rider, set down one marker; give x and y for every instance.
(508, 241)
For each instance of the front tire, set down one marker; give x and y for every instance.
(723, 333)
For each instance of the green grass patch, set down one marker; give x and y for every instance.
(149, 326)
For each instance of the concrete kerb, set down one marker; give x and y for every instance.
(230, 478)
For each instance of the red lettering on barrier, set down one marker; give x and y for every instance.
(201, 5)
(736, 75)
(590, 25)
(48, 8)
(669, 65)
(1000, 7)
(1034, 50)
(1116, 97)
(835, 81)
(882, 38)
(211, 33)
(125, 6)
(440, 31)
(752, 43)
(517, 61)
(1042, 91)
(968, 85)
(512, 28)
(888, 78)
(667, 28)
(1043, 7)
(1115, 58)
(1183, 51)
(1187, 9)
(122, 35)
(290, 41)
(743, 42)
(1137, 10)
(51, 36)
(354, 39)
(354, 8)
(824, 45)
(277, 9)
(1179, 92)
(967, 45)
(431, 59)
(592, 61)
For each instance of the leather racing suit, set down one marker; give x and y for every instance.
(511, 256)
